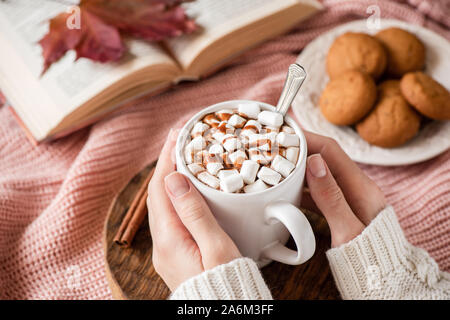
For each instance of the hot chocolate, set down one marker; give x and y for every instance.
(242, 149)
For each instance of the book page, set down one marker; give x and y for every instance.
(68, 83)
(217, 19)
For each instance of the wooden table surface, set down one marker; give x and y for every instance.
(131, 274)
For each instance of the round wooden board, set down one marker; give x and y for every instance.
(131, 274)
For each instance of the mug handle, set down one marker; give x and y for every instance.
(300, 229)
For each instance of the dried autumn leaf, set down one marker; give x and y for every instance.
(103, 21)
(152, 20)
(58, 40)
(99, 41)
(95, 40)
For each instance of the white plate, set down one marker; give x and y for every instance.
(433, 138)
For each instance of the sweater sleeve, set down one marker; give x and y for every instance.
(239, 279)
(381, 264)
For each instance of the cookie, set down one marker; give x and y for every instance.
(392, 122)
(348, 98)
(356, 51)
(405, 52)
(388, 88)
(426, 95)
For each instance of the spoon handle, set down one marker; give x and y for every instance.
(294, 80)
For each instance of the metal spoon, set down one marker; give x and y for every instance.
(294, 80)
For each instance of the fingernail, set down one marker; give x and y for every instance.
(316, 166)
(176, 184)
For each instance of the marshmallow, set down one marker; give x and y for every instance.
(246, 133)
(255, 139)
(252, 126)
(215, 149)
(226, 136)
(226, 159)
(209, 180)
(237, 158)
(232, 183)
(225, 127)
(214, 157)
(258, 185)
(272, 137)
(188, 155)
(282, 165)
(257, 156)
(288, 140)
(214, 167)
(196, 144)
(201, 157)
(272, 129)
(244, 141)
(262, 141)
(224, 114)
(199, 129)
(282, 152)
(195, 168)
(208, 135)
(249, 170)
(287, 129)
(212, 120)
(270, 155)
(218, 136)
(271, 118)
(236, 121)
(249, 110)
(269, 176)
(231, 143)
(225, 173)
(292, 154)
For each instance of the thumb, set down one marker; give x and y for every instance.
(216, 247)
(327, 195)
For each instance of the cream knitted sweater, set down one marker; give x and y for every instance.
(378, 264)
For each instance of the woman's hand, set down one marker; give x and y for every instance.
(347, 198)
(187, 239)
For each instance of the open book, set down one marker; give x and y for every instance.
(72, 94)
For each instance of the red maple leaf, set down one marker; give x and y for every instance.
(152, 20)
(58, 40)
(103, 22)
(99, 41)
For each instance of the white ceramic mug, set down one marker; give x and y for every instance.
(259, 223)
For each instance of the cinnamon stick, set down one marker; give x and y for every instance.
(136, 221)
(135, 215)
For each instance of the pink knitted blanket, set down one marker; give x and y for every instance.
(54, 197)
